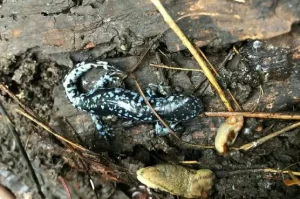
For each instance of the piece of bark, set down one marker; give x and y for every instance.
(62, 27)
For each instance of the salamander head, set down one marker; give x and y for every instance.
(181, 108)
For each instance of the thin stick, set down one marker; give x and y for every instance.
(260, 141)
(65, 186)
(11, 128)
(180, 142)
(234, 100)
(187, 145)
(75, 133)
(235, 50)
(189, 162)
(281, 116)
(153, 111)
(89, 175)
(222, 174)
(47, 128)
(294, 180)
(296, 173)
(261, 93)
(193, 51)
(208, 62)
(176, 68)
(140, 90)
(141, 58)
(18, 101)
(227, 57)
(197, 14)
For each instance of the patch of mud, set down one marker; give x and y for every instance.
(31, 81)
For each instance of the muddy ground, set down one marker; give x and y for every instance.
(41, 40)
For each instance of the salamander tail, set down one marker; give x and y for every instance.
(70, 81)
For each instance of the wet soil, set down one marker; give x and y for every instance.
(264, 77)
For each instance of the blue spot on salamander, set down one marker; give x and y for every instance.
(103, 101)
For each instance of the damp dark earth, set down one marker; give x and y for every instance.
(51, 149)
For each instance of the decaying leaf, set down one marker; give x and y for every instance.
(294, 181)
(177, 180)
(228, 132)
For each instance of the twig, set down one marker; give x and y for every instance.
(286, 168)
(235, 50)
(35, 118)
(47, 128)
(175, 68)
(281, 116)
(11, 128)
(296, 173)
(261, 93)
(38, 120)
(240, 1)
(208, 62)
(141, 58)
(260, 141)
(189, 162)
(140, 90)
(222, 174)
(66, 188)
(193, 51)
(294, 49)
(227, 57)
(197, 14)
(294, 181)
(234, 100)
(179, 142)
(18, 101)
(185, 145)
(75, 133)
(89, 175)
(153, 111)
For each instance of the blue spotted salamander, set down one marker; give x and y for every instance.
(104, 101)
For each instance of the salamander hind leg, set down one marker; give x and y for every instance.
(150, 92)
(101, 128)
(162, 131)
(153, 90)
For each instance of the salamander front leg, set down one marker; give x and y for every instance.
(101, 128)
(151, 92)
(162, 131)
(154, 90)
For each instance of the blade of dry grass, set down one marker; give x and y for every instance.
(270, 170)
(47, 128)
(176, 68)
(153, 111)
(280, 116)
(260, 141)
(193, 51)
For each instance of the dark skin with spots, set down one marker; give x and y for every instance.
(102, 101)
